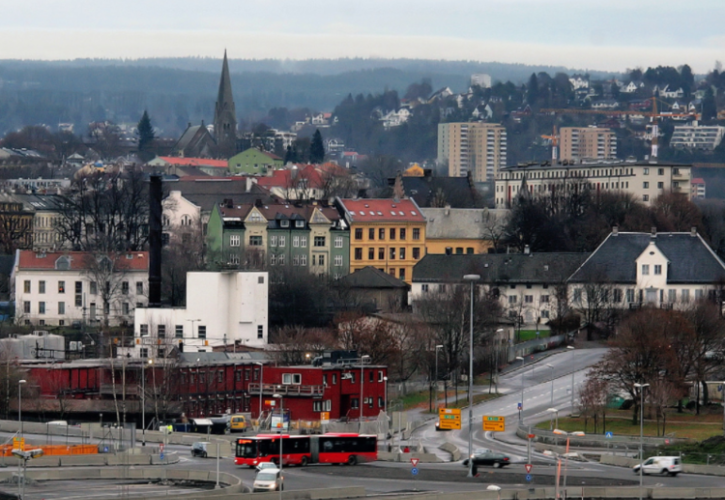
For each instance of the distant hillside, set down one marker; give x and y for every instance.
(178, 90)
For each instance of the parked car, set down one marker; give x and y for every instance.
(484, 456)
(660, 465)
(199, 449)
(239, 423)
(266, 465)
(268, 480)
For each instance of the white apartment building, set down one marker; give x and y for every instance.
(646, 181)
(476, 148)
(222, 308)
(483, 80)
(698, 188)
(697, 137)
(60, 288)
(577, 143)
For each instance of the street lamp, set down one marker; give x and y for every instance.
(472, 278)
(566, 456)
(523, 365)
(571, 348)
(281, 429)
(385, 401)
(20, 404)
(362, 384)
(553, 410)
(143, 401)
(435, 391)
(261, 377)
(641, 388)
(552, 383)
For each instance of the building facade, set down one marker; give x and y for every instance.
(462, 230)
(60, 288)
(593, 143)
(475, 147)
(387, 234)
(254, 162)
(646, 181)
(700, 137)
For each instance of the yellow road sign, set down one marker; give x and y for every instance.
(325, 417)
(494, 424)
(19, 443)
(449, 418)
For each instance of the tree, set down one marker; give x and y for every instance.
(317, 148)
(532, 90)
(184, 253)
(146, 134)
(709, 107)
(107, 272)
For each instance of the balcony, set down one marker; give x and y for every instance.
(306, 391)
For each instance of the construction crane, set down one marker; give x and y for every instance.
(654, 115)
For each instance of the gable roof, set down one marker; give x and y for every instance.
(371, 277)
(194, 162)
(550, 267)
(30, 260)
(691, 259)
(286, 178)
(381, 210)
(461, 223)
(457, 191)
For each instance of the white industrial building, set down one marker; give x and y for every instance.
(222, 308)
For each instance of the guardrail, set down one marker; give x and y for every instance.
(573, 492)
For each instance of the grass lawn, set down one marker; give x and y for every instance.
(525, 335)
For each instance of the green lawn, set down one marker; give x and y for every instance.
(525, 335)
(620, 426)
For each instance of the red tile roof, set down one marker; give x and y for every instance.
(28, 259)
(382, 210)
(195, 162)
(283, 178)
(697, 180)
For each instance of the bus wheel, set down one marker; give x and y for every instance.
(303, 463)
(352, 460)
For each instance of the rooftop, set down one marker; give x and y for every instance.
(381, 210)
(30, 260)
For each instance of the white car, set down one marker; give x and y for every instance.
(266, 465)
(268, 480)
(660, 465)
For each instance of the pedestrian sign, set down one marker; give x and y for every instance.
(609, 435)
(414, 471)
(494, 424)
(449, 418)
(528, 477)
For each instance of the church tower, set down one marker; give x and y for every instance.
(225, 115)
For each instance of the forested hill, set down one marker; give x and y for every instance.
(179, 90)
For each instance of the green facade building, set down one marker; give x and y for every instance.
(253, 161)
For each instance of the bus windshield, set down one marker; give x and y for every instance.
(246, 448)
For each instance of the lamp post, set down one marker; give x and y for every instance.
(20, 404)
(261, 384)
(143, 400)
(435, 384)
(385, 401)
(472, 278)
(571, 348)
(552, 383)
(281, 430)
(553, 410)
(641, 388)
(362, 385)
(523, 365)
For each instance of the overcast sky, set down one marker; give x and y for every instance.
(607, 35)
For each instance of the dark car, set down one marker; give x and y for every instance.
(488, 457)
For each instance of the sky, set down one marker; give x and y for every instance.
(581, 34)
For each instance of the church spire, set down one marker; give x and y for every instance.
(225, 115)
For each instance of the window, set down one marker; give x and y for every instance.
(645, 185)
(291, 378)
(381, 233)
(125, 309)
(371, 234)
(281, 260)
(26, 307)
(272, 260)
(645, 197)
(528, 299)
(179, 331)
(358, 233)
(61, 287)
(295, 241)
(660, 171)
(424, 287)
(295, 260)
(660, 185)
(577, 295)
(658, 269)
(671, 295)
(234, 258)
(352, 377)
(320, 260)
(401, 273)
(260, 331)
(124, 288)
(512, 299)
(469, 250)
(354, 403)
(646, 171)
(284, 223)
(392, 233)
(402, 234)
(392, 253)
(139, 288)
(303, 241)
(41, 286)
(645, 269)
(617, 295)
(630, 295)
(143, 330)
(255, 241)
(459, 250)
(338, 241)
(300, 223)
(273, 241)
(416, 233)
(144, 352)
(94, 288)
(699, 294)
(202, 331)
(358, 254)
(235, 240)
(260, 280)
(161, 331)
(381, 254)
(371, 254)
(282, 241)
(26, 286)
(61, 307)
(319, 241)
(545, 314)
(303, 260)
(416, 253)
(402, 253)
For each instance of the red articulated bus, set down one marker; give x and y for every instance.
(347, 449)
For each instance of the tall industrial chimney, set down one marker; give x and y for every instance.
(155, 193)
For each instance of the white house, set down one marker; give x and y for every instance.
(60, 288)
(179, 216)
(222, 308)
(579, 82)
(395, 118)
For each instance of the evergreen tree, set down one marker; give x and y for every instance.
(709, 108)
(532, 90)
(317, 149)
(289, 156)
(145, 133)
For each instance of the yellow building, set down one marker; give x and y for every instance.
(462, 230)
(414, 170)
(387, 234)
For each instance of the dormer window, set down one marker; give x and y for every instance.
(62, 263)
(299, 223)
(284, 223)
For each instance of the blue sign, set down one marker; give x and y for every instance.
(520, 406)
(161, 455)
(105, 449)
(414, 471)
(528, 477)
(609, 435)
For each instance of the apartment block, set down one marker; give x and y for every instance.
(475, 148)
(697, 137)
(579, 143)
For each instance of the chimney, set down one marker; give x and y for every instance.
(615, 230)
(449, 250)
(693, 232)
(155, 193)
(448, 209)
(527, 250)
(654, 232)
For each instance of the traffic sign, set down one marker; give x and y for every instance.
(414, 471)
(414, 461)
(528, 468)
(449, 418)
(325, 417)
(161, 447)
(609, 435)
(531, 436)
(667, 441)
(520, 406)
(528, 477)
(161, 455)
(494, 424)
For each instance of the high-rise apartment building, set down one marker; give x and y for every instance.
(579, 143)
(478, 148)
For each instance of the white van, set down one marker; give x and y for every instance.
(660, 465)
(268, 480)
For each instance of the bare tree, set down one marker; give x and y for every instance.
(185, 252)
(494, 229)
(107, 271)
